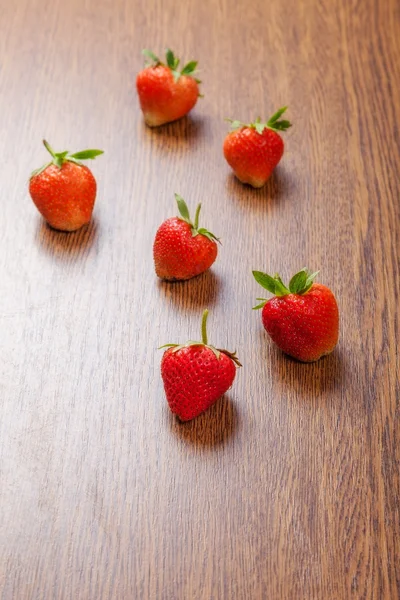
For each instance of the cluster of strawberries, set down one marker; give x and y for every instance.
(302, 319)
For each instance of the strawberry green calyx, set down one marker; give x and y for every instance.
(190, 69)
(204, 342)
(275, 123)
(59, 158)
(300, 284)
(204, 318)
(185, 216)
(151, 58)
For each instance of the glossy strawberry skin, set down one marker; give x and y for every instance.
(194, 379)
(162, 99)
(253, 156)
(305, 326)
(64, 195)
(178, 255)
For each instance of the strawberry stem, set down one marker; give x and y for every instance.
(49, 148)
(196, 217)
(204, 328)
(204, 342)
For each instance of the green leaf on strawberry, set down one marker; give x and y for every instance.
(259, 127)
(261, 305)
(302, 281)
(183, 209)
(59, 158)
(207, 234)
(189, 68)
(89, 154)
(298, 281)
(299, 284)
(235, 124)
(273, 123)
(172, 62)
(276, 115)
(151, 58)
(185, 216)
(281, 126)
(272, 284)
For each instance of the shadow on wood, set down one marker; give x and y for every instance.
(200, 292)
(214, 427)
(259, 199)
(308, 379)
(186, 130)
(64, 245)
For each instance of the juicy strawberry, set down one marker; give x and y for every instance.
(64, 190)
(303, 320)
(166, 94)
(196, 374)
(253, 150)
(181, 249)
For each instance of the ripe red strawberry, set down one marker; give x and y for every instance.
(166, 94)
(64, 190)
(181, 249)
(303, 320)
(196, 374)
(253, 150)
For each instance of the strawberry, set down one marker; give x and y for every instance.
(303, 320)
(166, 94)
(181, 249)
(64, 190)
(196, 374)
(253, 150)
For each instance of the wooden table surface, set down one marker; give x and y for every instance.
(289, 487)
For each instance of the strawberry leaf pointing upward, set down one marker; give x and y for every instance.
(272, 284)
(302, 281)
(183, 209)
(59, 158)
(274, 123)
(298, 281)
(185, 216)
(300, 284)
(151, 58)
(172, 62)
(276, 116)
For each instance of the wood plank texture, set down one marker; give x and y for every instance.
(289, 487)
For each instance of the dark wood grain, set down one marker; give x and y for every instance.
(289, 487)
